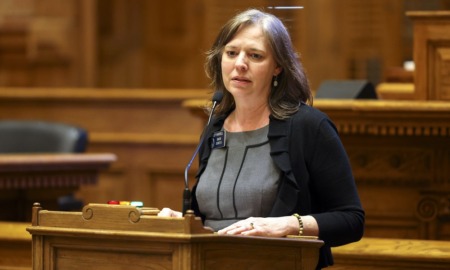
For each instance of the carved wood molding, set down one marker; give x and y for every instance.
(391, 166)
(47, 180)
(388, 117)
(393, 129)
(433, 206)
(51, 170)
(376, 117)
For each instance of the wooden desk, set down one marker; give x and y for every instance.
(125, 237)
(25, 179)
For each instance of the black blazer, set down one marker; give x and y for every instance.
(316, 176)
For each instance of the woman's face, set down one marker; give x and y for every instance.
(248, 65)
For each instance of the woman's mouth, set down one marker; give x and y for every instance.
(241, 80)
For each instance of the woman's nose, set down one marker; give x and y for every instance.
(241, 62)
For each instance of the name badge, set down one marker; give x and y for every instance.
(218, 140)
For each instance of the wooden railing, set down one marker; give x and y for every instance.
(15, 246)
(398, 254)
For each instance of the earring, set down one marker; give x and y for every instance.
(275, 81)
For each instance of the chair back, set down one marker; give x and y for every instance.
(29, 136)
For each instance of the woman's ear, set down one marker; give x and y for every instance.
(277, 71)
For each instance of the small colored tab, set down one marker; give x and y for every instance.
(124, 203)
(113, 202)
(137, 203)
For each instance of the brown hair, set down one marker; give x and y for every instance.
(293, 86)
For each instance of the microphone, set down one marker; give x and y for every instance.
(216, 99)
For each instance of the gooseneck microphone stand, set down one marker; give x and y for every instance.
(216, 99)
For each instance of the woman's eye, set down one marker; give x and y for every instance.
(231, 53)
(255, 56)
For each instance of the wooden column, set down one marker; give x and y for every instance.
(431, 54)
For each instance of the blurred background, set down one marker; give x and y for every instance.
(162, 44)
(130, 73)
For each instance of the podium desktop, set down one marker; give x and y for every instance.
(104, 236)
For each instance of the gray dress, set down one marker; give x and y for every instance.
(240, 180)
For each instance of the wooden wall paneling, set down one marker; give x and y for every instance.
(43, 43)
(389, 180)
(13, 34)
(121, 48)
(148, 172)
(151, 134)
(173, 36)
(166, 185)
(136, 44)
(318, 41)
(323, 32)
(348, 39)
(399, 154)
(13, 56)
(88, 43)
(52, 45)
(370, 37)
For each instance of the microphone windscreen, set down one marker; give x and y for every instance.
(217, 97)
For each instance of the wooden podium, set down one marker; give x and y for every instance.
(126, 237)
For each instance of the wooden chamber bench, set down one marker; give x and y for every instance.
(383, 253)
(15, 246)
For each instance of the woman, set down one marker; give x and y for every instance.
(282, 169)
